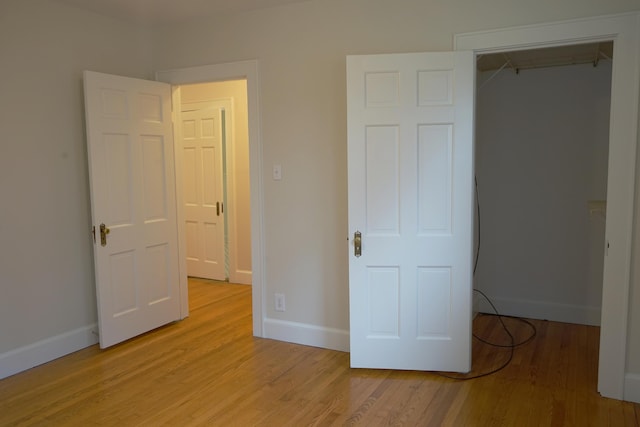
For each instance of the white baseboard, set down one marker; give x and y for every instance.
(241, 277)
(44, 351)
(305, 334)
(541, 310)
(632, 388)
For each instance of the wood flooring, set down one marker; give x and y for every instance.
(208, 370)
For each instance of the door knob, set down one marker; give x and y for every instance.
(104, 230)
(357, 243)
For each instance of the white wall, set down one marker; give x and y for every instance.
(239, 194)
(301, 50)
(541, 156)
(46, 261)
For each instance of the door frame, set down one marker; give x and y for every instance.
(623, 139)
(242, 70)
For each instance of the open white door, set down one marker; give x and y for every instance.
(203, 185)
(132, 184)
(410, 160)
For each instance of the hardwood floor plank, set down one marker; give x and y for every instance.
(209, 370)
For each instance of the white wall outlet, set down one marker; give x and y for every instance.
(277, 172)
(279, 303)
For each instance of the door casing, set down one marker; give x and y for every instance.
(623, 31)
(220, 72)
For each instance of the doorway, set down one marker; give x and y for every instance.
(542, 142)
(248, 71)
(215, 177)
(622, 30)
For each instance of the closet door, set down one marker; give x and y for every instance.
(410, 163)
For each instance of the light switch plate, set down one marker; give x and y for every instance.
(277, 172)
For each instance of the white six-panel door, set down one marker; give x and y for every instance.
(203, 185)
(132, 184)
(410, 175)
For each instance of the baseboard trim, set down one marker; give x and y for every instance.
(632, 388)
(305, 334)
(23, 358)
(542, 310)
(241, 277)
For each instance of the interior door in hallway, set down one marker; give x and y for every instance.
(410, 170)
(203, 189)
(133, 204)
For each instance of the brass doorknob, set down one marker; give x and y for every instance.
(104, 230)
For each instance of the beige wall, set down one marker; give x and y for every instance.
(239, 195)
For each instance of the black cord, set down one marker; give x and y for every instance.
(475, 264)
(510, 346)
(500, 317)
(485, 374)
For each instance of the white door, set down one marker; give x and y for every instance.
(410, 160)
(203, 186)
(131, 166)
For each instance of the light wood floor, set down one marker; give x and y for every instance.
(208, 370)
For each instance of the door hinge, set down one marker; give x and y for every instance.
(93, 231)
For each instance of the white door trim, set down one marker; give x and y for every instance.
(233, 71)
(623, 30)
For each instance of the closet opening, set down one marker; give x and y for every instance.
(542, 149)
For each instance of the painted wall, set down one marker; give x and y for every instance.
(541, 155)
(46, 259)
(240, 236)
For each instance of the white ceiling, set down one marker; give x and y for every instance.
(155, 12)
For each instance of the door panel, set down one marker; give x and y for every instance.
(202, 140)
(382, 186)
(435, 145)
(131, 166)
(410, 165)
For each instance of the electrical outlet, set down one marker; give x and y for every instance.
(279, 302)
